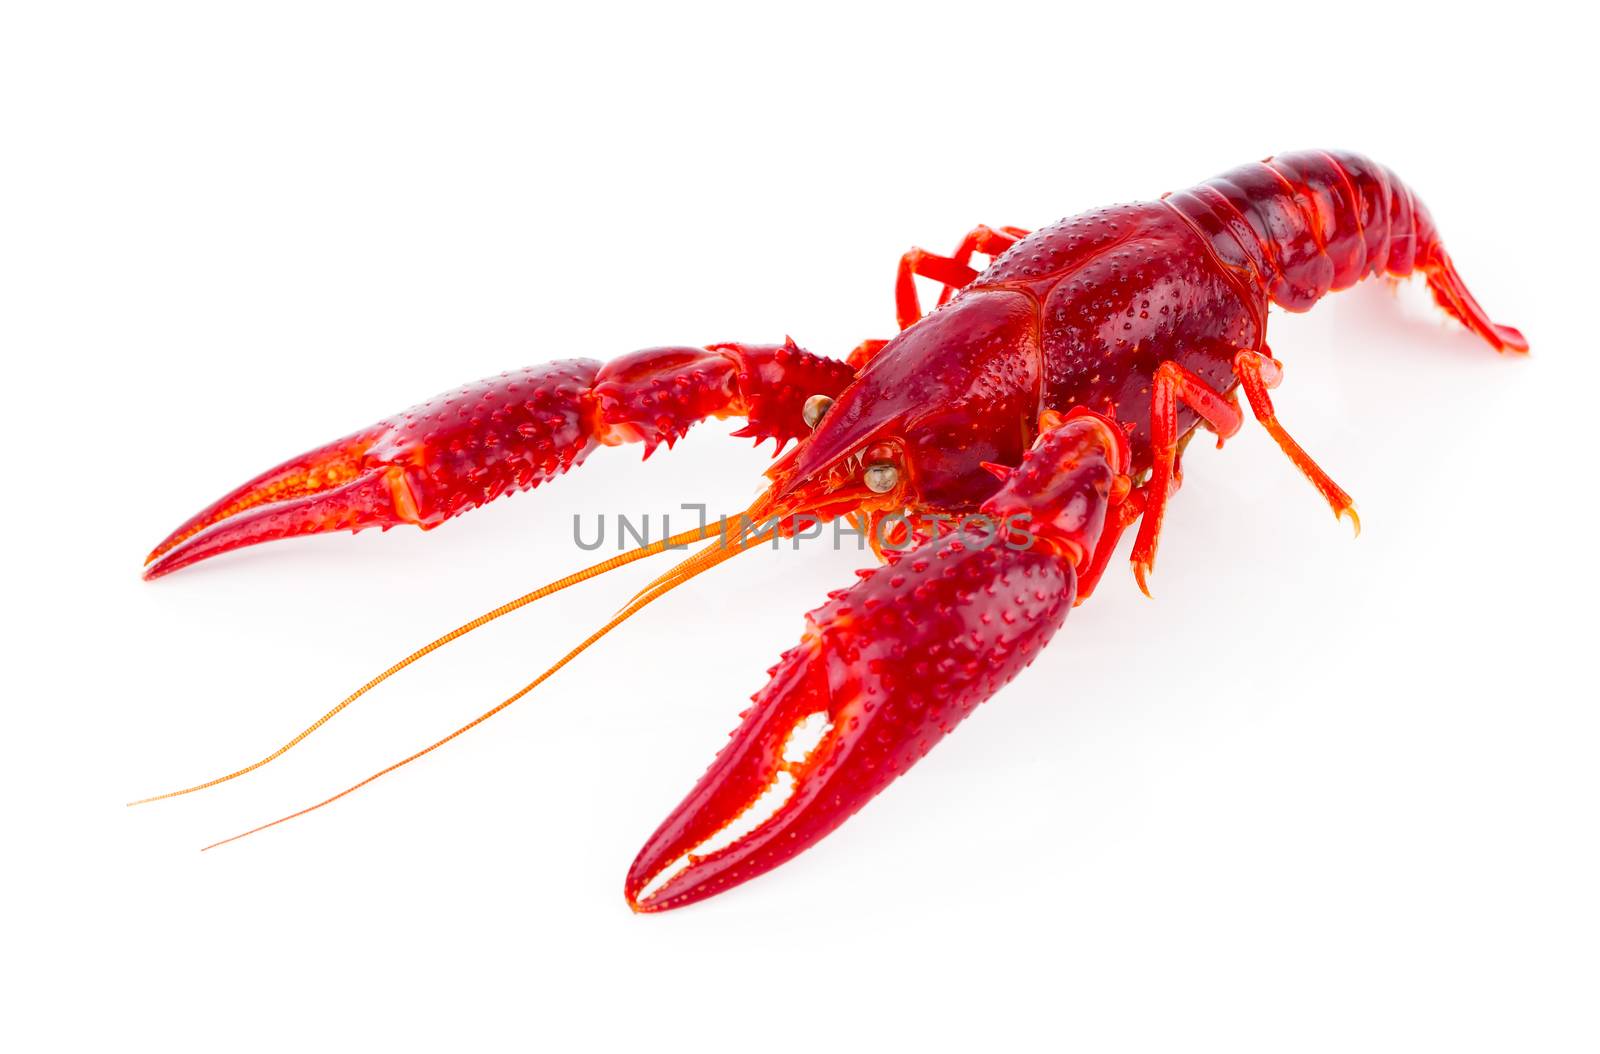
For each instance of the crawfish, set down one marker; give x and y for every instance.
(1059, 386)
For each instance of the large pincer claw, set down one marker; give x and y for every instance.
(888, 667)
(885, 669)
(505, 434)
(421, 467)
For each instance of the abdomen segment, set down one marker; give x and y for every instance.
(1303, 224)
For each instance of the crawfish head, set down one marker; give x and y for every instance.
(915, 428)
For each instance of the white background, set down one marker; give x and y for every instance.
(1318, 795)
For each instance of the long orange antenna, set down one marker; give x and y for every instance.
(677, 540)
(705, 558)
(694, 565)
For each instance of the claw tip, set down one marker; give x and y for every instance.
(1140, 570)
(1355, 520)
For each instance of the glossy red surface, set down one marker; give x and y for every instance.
(503, 434)
(895, 663)
(1060, 384)
(1083, 314)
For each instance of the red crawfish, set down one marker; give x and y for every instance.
(1057, 388)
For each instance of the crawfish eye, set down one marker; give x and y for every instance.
(814, 408)
(881, 477)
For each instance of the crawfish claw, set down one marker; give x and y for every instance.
(433, 461)
(885, 669)
(504, 434)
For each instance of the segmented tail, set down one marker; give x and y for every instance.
(1312, 222)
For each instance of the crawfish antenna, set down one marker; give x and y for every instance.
(622, 559)
(691, 567)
